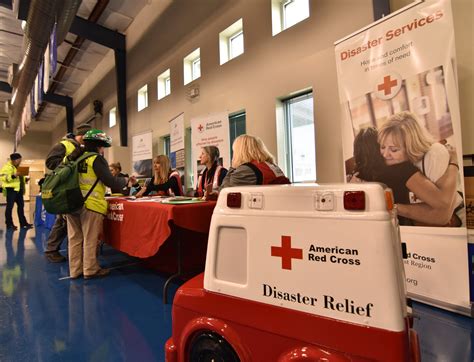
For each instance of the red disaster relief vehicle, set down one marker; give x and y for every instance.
(297, 273)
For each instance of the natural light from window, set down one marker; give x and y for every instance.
(112, 117)
(286, 13)
(164, 84)
(192, 66)
(142, 98)
(236, 44)
(196, 68)
(231, 42)
(296, 138)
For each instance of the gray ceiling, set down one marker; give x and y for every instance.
(118, 15)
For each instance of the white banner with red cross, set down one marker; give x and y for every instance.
(212, 130)
(401, 126)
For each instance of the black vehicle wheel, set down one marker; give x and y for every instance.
(210, 347)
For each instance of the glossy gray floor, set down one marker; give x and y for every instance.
(44, 316)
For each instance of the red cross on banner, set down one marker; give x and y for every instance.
(387, 85)
(286, 252)
(200, 128)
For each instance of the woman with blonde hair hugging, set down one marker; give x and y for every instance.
(402, 139)
(165, 181)
(252, 164)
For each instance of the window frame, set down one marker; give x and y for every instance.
(113, 111)
(189, 71)
(288, 128)
(163, 84)
(142, 93)
(167, 83)
(284, 4)
(167, 145)
(280, 14)
(232, 38)
(193, 68)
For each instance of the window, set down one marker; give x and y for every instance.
(112, 117)
(167, 145)
(286, 13)
(164, 84)
(236, 128)
(231, 42)
(192, 66)
(167, 86)
(142, 98)
(236, 44)
(296, 130)
(196, 69)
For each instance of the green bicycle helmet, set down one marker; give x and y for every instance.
(98, 136)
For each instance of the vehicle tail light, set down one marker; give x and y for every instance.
(354, 200)
(234, 199)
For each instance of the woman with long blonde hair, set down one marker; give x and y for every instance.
(165, 181)
(402, 140)
(252, 164)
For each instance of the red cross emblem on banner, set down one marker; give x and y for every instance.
(200, 128)
(286, 252)
(387, 85)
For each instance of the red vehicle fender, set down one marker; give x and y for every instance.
(217, 326)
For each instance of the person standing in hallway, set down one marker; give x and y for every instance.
(70, 147)
(13, 189)
(85, 225)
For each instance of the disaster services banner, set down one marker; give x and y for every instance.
(177, 142)
(401, 126)
(212, 130)
(142, 154)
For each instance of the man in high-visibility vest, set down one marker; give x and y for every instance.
(13, 189)
(85, 225)
(69, 148)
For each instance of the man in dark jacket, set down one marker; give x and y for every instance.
(70, 147)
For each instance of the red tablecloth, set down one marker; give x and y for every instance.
(141, 228)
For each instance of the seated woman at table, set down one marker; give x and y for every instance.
(165, 181)
(252, 164)
(211, 177)
(116, 171)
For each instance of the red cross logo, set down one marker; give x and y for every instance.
(286, 252)
(387, 85)
(200, 128)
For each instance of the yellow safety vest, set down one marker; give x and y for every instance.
(87, 177)
(69, 146)
(6, 173)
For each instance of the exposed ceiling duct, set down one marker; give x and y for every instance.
(42, 15)
(67, 10)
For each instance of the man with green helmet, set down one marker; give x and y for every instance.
(70, 148)
(85, 225)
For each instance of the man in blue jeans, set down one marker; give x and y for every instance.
(13, 185)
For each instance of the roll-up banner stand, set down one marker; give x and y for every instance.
(142, 154)
(401, 126)
(177, 153)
